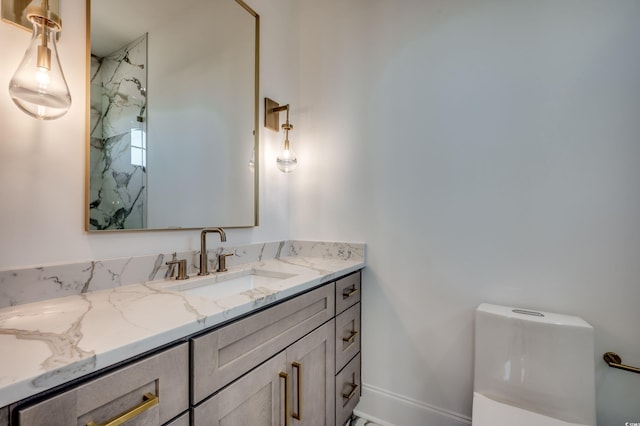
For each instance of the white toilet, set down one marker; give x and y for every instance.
(532, 369)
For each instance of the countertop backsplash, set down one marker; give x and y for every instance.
(27, 285)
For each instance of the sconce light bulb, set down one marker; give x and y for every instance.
(38, 86)
(252, 160)
(43, 79)
(287, 160)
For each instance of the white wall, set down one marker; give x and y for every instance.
(42, 164)
(486, 151)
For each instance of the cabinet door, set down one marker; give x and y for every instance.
(149, 392)
(256, 399)
(4, 416)
(311, 366)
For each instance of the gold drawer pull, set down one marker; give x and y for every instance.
(149, 400)
(351, 338)
(354, 388)
(285, 376)
(350, 292)
(298, 415)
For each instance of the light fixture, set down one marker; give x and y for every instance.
(287, 160)
(38, 86)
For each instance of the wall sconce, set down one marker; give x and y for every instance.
(287, 160)
(38, 86)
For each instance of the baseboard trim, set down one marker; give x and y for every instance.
(391, 409)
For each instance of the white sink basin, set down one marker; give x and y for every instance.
(217, 286)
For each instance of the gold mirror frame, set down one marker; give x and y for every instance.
(255, 126)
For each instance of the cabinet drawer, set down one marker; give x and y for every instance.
(348, 388)
(347, 335)
(347, 291)
(158, 385)
(223, 355)
(183, 420)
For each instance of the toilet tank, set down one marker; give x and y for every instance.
(538, 361)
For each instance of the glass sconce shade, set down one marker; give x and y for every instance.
(38, 86)
(287, 160)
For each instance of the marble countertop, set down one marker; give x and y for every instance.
(47, 343)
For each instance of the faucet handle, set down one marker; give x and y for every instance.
(222, 262)
(182, 268)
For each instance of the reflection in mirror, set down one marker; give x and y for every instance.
(173, 96)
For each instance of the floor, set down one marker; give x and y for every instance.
(357, 421)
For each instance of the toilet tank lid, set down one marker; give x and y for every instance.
(532, 315)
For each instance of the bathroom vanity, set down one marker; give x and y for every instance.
(286, 352)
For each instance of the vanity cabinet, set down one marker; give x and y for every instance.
(298, 381)
(299, 362)
(294, 363)
(295, 387)
(152, 391)
(347, 346)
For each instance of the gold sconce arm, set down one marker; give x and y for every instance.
(271, 114)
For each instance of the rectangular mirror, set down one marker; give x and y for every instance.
(172, 114)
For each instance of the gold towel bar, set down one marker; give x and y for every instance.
(613, 360)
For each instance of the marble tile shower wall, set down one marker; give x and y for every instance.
(20, 286)
(118, 117)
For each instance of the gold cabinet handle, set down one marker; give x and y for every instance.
(149, 400)
(350, 292)
(298, 414)
(285, 376)
(351, 338)
(354, 388)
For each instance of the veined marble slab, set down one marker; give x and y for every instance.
(49, 342)
(20, 286)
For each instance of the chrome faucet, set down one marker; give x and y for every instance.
(204, 261)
